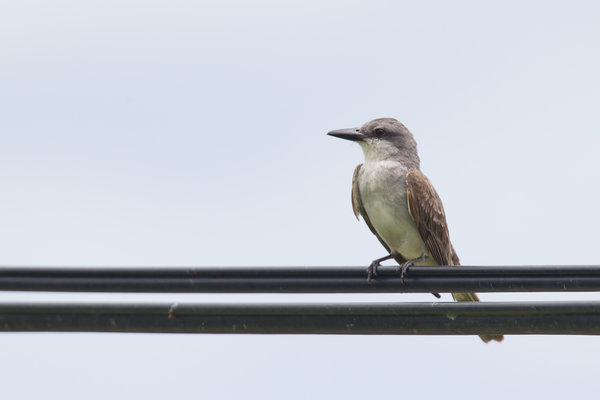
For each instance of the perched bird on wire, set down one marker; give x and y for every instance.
(398, 202)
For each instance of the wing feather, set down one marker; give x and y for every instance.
(427, 211)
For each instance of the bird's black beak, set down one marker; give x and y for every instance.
(348, 134)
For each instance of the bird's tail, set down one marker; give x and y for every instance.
(473, 297)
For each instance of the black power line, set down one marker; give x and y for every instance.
(301, 279)
(354, 318)
(348, 318)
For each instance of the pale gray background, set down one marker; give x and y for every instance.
(193, 133)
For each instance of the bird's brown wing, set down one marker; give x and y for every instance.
(427, 211)
(359, 209)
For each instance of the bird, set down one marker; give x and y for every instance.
(398, 202)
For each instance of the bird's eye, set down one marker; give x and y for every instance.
(379, 132)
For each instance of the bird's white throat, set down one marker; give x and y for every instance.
(378, 150)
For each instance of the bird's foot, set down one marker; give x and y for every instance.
(403, 268)
(372, 270)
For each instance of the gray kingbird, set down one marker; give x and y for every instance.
(398, 202)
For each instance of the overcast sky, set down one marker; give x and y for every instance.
(192, 133)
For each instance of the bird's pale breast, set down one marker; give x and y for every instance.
(382, 187)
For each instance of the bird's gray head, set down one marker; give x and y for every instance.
(383, 139)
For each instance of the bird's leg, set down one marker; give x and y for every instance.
(372, 270)
(403, 268)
